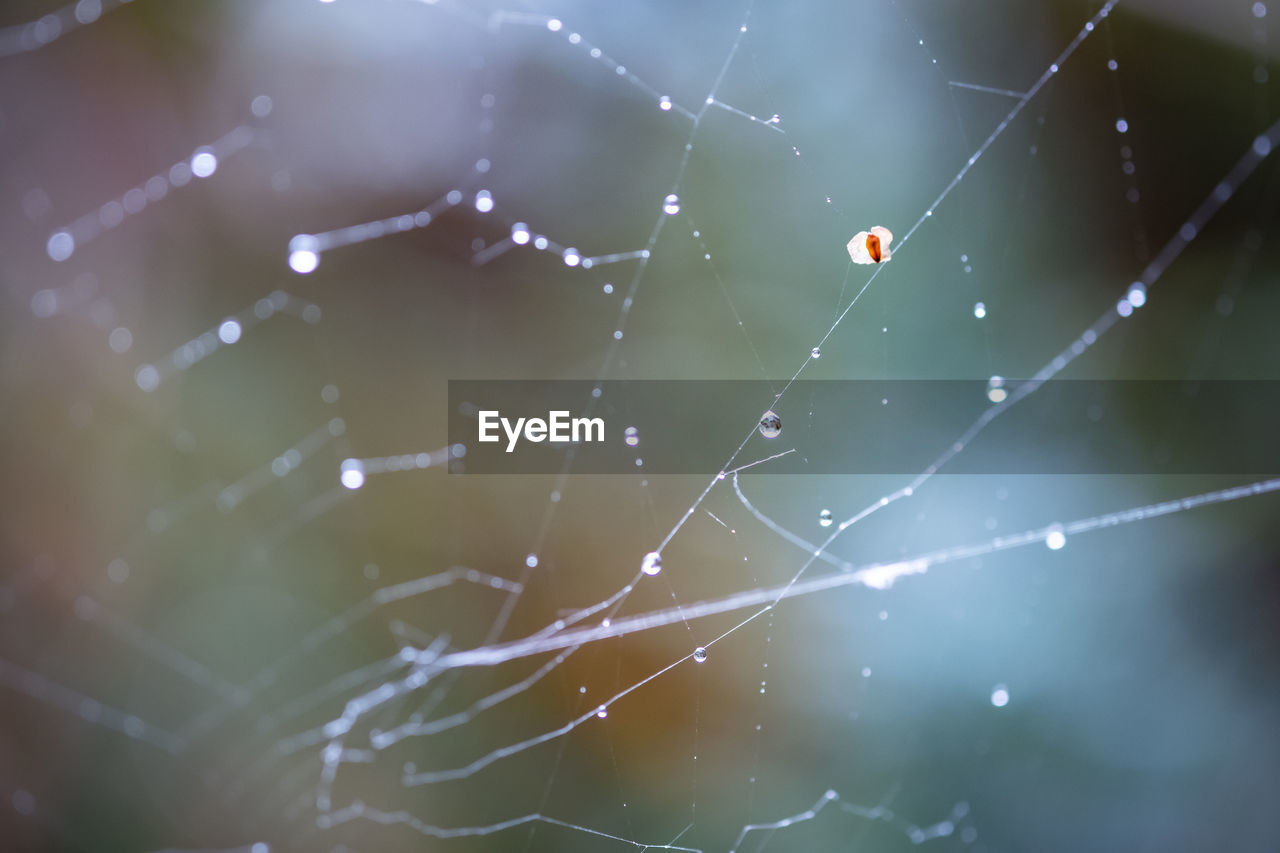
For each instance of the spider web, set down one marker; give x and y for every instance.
(247, 606)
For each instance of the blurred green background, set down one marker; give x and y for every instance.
(1140, 662)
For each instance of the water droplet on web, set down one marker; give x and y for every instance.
(671, 205)
(60, 246)
(204, 163)
(664, 103)
(602, 712)
(304, 254)
(1000, 696)
(120, 340)
(825, 518)
(147, 377)
(699, 654)
(770, 425)
(1056, 539)
(816, 352)
(632, 438)
(352, 474)
(652, 563)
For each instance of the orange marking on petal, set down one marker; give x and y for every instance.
(873, 247)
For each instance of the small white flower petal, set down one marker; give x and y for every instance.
(860, 254)
(858, 249)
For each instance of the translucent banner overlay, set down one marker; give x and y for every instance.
(865, 426)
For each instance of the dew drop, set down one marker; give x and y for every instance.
(816, 352)
(652, 563)
(671, 205)
(304, 254)
(352, 475)
(60, 246)
(204, 163)
(770, 425)
(824, 518)
(995, 389)
(699, 654)
(120, 340)
(147, 377)
(229, 331)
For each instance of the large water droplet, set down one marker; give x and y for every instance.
(652, 563)
(770, 425)
(824, 518)
(304, 254)
(671, 205)
(699, 654)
